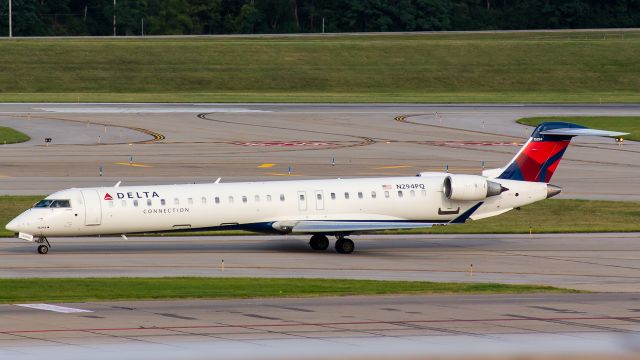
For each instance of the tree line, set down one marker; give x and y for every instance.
(201, 17)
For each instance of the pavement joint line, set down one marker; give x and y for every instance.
(393, 167)
(511, 318)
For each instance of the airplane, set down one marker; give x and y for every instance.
(320, 208)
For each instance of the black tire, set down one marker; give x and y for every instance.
(43, 249)
(345, 246)
(319, 242)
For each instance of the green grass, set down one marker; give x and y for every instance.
(11, 136)
(523, 67)
(99, 289)
(630, 124)
(555, 216)
(547, 216)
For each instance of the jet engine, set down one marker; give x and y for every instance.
(470, 187)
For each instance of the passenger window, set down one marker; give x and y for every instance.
(333, 196)
(148, 202)
(424, 193)
(190, 201)
(135, 203)
(204, 199)
(230, 199)
(244, 199)
(412, 193)
(386, 194)
(176, 201)
(256, 198)
(162, 202)
(281, 197)
(301, 197)
(269, 198)
(360, 195)
(400, 193)
(346, 195)
(217, 200)
(373, 194)
(319, 196)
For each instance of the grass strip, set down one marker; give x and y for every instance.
(547, 216)
(111, 289)
(530, 67)
(492, 97)
(630, 124)
(11, 136)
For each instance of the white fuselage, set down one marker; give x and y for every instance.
(259, 205)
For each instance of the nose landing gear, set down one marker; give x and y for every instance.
(45, 245)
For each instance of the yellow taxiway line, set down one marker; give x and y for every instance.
(266, 166)
(284, 174)
(132, 164)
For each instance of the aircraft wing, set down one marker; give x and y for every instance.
(349, 226)
(323, 226)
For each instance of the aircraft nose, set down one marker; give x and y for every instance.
(13, 226)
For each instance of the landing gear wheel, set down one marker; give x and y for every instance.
(345, 246)
(319, 242)
(44, 247)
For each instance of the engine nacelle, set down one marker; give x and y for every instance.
(470, 187)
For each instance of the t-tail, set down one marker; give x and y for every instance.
(538, 159)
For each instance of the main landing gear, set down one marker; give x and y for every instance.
(344, 245)
(44, 247)
(321, 242)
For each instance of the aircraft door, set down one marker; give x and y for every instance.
(319, 200)
(92, 207)
(302, 200)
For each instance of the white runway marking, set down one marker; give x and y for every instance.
(135, 110)
(54, 308)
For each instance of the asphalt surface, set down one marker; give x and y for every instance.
(594, 262)
(544, 326)
(185, 143)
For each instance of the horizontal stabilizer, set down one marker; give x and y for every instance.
(582, 132)
(321, 226)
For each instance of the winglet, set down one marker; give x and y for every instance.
(465, 215)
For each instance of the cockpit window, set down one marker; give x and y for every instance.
(61, 204)
(43, 203)
(53, 204)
